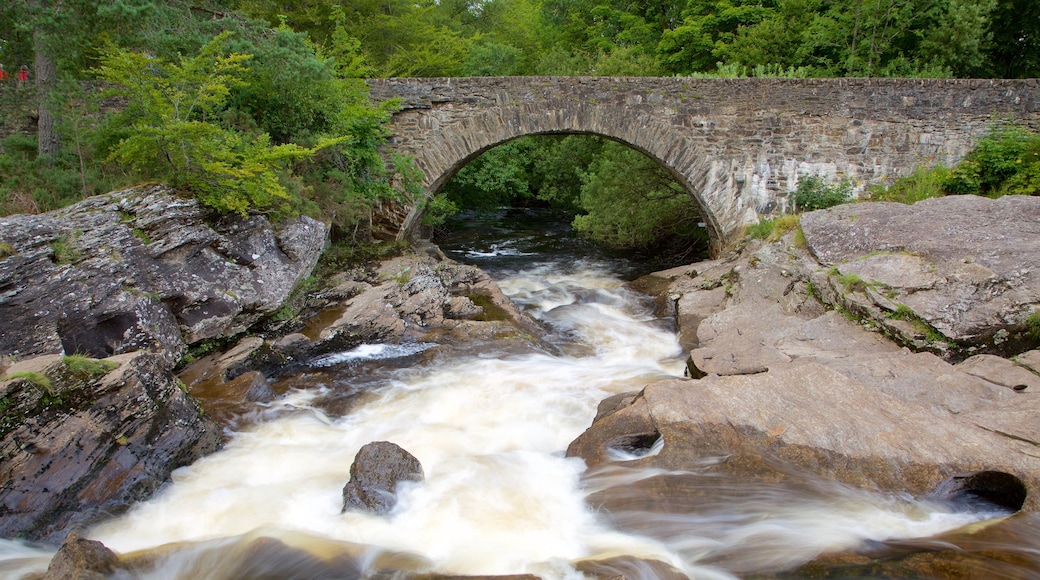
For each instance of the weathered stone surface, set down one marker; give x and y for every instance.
(81, 559)
(1001, 371)
(965, 266)
(784, 376)
(738, 145)
(813, 417)
(143, 269)
(90, 446)
(1030, 360)
(378, 469)
(412, 297)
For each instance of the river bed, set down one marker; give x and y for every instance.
(490, 427)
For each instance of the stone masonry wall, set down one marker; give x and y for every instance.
(738, 145)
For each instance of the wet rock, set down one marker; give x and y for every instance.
(81, 559)
(413, 297)
(629, 568)
(378, 469)
(983, 489)
(143, 269)
(810, 416)
(83, 448)
(781, 374)
(958, 273)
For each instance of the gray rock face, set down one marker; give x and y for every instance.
(412, 296)
(88, 446)
(965, 266)
(378, 469)
(143, 269)
(779, 372)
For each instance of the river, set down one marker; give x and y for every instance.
(490, 427)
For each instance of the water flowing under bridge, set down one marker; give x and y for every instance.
(739, 146)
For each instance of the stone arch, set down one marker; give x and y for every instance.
(450, 146)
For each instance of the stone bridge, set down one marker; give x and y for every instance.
(739, 146)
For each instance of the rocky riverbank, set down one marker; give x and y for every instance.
(126, 282)
(884, 346)
(881, 345)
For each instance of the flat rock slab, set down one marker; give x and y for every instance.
(967, 266)
(813, 417)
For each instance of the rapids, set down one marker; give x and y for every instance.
(490, 428)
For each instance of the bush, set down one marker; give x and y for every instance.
(1005, 162)
(923, 183)
(815, 193)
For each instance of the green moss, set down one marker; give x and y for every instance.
(141, 235)
(851, 282)
(902, 312)
(6, 250)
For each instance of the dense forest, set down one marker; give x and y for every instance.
(261, 104)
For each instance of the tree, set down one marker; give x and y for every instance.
(172, 136)
(629, 201)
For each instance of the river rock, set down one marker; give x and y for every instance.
(411, 297)
(781, 373)
(81, 559)
(143, 269)
(378, 469)
(962, 272)
(87, 446)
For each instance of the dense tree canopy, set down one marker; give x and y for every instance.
(297, 99)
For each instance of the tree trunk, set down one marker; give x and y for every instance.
(46, 76)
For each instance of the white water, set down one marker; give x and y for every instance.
(499, 495)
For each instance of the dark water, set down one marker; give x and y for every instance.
(508, 240)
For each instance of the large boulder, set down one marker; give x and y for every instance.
(958, 274)
(379, 468)
(411, 297)
(143, 269)
(82, 441)
(780, 368)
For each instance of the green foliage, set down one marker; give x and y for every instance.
(1005, 162)
(1033, 325)
(85, 367)
(923, 183)
(66, 250)
(774, 229)
(620, 214)
(6, 250)
(37, 380)
(814, 193)
(171, 137)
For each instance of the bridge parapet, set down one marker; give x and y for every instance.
(739, 146)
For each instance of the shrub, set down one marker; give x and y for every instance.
(923, 183)
(774, 229)
(814, 193)
(1005, 162)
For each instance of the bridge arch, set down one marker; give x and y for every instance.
(448, 150)
(738, 146)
